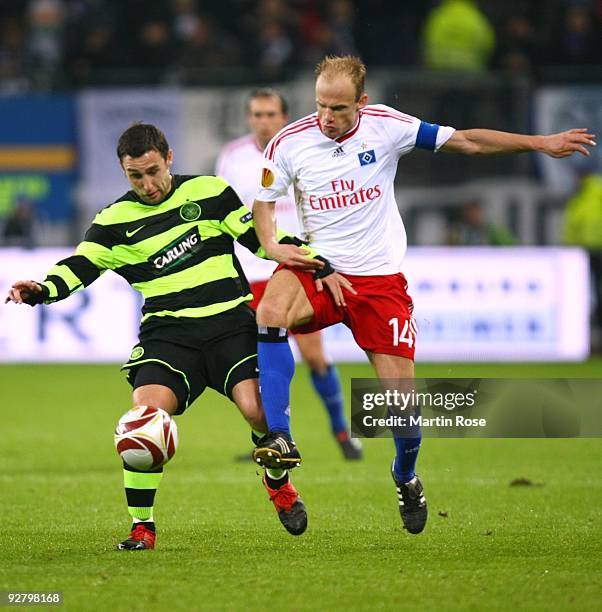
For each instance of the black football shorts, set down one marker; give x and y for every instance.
(217, 352)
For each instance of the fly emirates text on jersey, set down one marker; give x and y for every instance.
(344, 194)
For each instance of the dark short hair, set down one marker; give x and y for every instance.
(140, 138)
(268, 92)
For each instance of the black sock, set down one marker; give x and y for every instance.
(276, 483)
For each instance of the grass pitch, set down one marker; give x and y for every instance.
(220, 544)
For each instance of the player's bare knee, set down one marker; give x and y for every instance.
(312, 351)
(270, 313)
(313, 355)
(157, 396)
(316, 362)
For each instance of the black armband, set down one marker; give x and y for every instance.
(327, 270)
(39, 297)
(293, 240)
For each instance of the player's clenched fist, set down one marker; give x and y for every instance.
(24, 292)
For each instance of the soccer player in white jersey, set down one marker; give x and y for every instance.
(341, 162)
(240, 163)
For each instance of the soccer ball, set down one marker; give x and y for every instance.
(146, 438)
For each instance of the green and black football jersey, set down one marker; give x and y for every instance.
(179, 254)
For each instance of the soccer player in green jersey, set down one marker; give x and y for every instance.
(171, 237)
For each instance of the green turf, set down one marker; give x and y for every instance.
(220, 545)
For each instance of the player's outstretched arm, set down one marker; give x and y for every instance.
(25, 292)
(491, 142)
(264, 221)
(69, 275)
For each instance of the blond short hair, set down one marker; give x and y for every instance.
(348, 65)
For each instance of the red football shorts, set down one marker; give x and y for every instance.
(379, 316)
(257, 289)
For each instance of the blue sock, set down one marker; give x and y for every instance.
(328, 387)
(405, 460)
(276, 369)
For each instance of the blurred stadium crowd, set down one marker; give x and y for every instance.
(58, 44)
(514, 65)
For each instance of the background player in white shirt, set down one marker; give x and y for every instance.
(342, 162)
(240, 163)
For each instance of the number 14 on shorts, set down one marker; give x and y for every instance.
(407, 334)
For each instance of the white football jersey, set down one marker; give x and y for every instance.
(344, 188)
(240, 163)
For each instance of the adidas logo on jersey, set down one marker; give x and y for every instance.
(338, 152)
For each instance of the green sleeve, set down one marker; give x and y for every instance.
(79, 270)
(239, 225)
